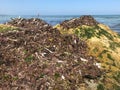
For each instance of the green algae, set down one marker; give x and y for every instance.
(113, 45)
(5, 28)
(110, 57)
(85, 32)
(101, 54)
(118, 35)
(56, 75)
(116, 76)
(105, 33)
(100, 87)
(89, 32)
(29, 58)
(95, 50)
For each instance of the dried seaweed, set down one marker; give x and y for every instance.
(38, 57)
(83, 20)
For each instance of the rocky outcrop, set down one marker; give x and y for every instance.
(38, 57)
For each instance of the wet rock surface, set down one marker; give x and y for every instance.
(38, 57)
(83, 20)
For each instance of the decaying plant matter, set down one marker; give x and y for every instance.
(38, 57)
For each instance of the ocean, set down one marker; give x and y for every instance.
(113, 21)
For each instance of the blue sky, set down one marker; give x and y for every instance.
(59, 7)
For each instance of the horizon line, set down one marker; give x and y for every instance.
(55, 14)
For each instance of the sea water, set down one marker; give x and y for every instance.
(113, 21)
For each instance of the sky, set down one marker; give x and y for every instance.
(59, 7)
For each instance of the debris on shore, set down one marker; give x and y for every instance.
(103, 43)
(39, 57)
(83, 20)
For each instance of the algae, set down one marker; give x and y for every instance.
(4, 28)
(100, 87)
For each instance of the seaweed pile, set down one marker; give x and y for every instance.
(83, 20)
(103, 43)
(32, 23)
(38, 57)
